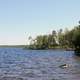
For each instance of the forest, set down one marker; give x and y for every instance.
(68, 39)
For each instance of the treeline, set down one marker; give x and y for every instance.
(68, 39)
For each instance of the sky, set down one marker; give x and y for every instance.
(20, 19)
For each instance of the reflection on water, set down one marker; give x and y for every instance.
(18, 64)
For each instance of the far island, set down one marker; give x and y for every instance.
(68, 40)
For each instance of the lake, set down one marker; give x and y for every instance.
(19, 64)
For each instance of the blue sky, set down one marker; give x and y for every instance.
(35, 17)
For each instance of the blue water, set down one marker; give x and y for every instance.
(19, 64)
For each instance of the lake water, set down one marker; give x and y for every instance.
(19, 64)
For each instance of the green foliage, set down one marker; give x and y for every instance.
(60, 39)
(76, 38)
(43, 42)
(51, 41)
